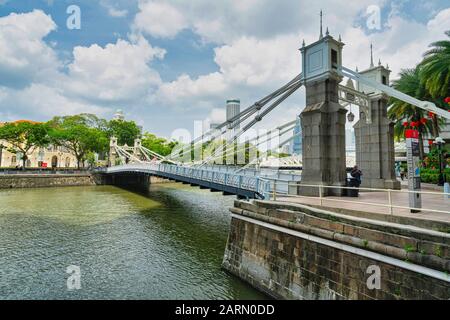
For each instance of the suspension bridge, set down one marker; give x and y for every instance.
(323, 133)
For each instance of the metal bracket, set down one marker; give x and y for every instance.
(352, 96)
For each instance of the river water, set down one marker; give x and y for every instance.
(167, 244)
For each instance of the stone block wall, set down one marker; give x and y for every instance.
(44, 180)
(298, 252)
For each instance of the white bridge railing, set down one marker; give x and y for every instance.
(251, 183)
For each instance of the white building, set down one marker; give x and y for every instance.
(119, 116)
(44, 157)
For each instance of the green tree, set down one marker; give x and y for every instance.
(125, 131)
(158, 145)
(400, 111)
(81, 134)
(435, 69)
(24, 137)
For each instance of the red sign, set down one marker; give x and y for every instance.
(413, 134)
(44, 164)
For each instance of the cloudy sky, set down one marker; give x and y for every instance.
(169, 63)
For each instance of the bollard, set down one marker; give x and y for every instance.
(274, 191)
(447, 189)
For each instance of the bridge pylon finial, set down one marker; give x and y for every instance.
(371, 56)
(321, 28)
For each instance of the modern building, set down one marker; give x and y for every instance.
(50, 156)
(213, 126)
(233, 109)
(297, 142)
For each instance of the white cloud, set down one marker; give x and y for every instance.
(113, 12)
(256, 44)
(401, 46)
(159, 19)
(42, 102)
(114, 73)
(217, 115)
(99, 79)
(112, 9)
(226, 21)
(24, 55)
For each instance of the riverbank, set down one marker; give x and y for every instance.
(18, 181)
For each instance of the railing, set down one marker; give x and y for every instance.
(251, 183)
(390, 203)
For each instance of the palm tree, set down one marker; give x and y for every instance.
(400, 111)
(435, 69)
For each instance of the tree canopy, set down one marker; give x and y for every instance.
(81, 134)
(435, 68)
(158, 145)
(125, 131)
(428, 81)
(24, 137)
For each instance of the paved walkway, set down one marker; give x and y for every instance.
(373, 201)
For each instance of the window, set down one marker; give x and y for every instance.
(384, 80)
(334, 58)
(54, 162)
(13, 160)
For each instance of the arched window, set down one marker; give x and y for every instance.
(28, 164)
(54, 161)
(67, 162)
(13, 161)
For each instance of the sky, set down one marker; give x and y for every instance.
(167, 64)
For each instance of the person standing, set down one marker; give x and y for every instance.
(356, 173)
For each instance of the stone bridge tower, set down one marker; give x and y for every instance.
(323, 119)
(137, 148)
(375, 154)
(112, 152)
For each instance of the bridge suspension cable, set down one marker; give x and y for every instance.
(291, 89)
(146, 152)
(231, 123)
(124, 153)
(257, 159)
(288, 127)
(425, 105)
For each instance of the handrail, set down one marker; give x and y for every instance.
(273, 183)
(246, 182)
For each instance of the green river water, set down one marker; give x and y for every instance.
(167, 244)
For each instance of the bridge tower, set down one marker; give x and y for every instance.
(112, 152)
(137, 152)
(323, 119)
(375, 153)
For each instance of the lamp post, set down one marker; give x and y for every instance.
(440, 143)
(1, 153)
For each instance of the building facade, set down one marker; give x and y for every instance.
(233, 109)
(40, 157)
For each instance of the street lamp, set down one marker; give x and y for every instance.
(440, 143)
(1, 153)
